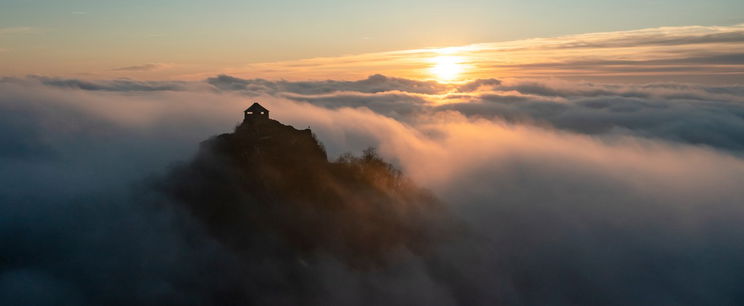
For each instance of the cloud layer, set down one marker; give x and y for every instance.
(677, 112)
(572, 192)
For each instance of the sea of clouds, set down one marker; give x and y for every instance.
(573, 192)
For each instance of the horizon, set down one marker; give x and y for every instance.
(673, 54)
(475, 152)
(161, 41)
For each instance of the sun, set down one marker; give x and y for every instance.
(447, 67)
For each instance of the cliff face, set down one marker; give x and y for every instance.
(271, 184)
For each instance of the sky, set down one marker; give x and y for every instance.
(568, 153)
(189, 39)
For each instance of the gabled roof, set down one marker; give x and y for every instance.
(256, 108)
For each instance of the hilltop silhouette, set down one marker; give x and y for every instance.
(268, 189)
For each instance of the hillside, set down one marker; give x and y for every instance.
(270, 184)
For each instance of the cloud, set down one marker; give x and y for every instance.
(712, 114)
(113, 85)
(709, 115)
(563, 213)
(700, 54)
(663, 36)
(73, 233)
(143, 67)
(570, 192)
(478, 84)
(686, 53)
(373, 84)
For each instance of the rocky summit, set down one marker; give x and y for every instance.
(269, 184)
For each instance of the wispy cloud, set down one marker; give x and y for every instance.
(692, 51)
(120, 85)
(143, 67)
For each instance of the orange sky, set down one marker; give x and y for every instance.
(692, 53)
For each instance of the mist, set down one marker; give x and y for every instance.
(560, 193)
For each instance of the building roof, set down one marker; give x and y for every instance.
(256, 108)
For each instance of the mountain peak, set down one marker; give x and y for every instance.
(259, 133)
(270, 181)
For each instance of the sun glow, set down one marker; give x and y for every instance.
(447, 67)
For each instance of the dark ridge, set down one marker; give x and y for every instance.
(268, 189)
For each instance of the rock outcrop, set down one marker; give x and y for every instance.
(269, 189)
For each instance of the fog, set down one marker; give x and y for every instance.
(564, 192)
